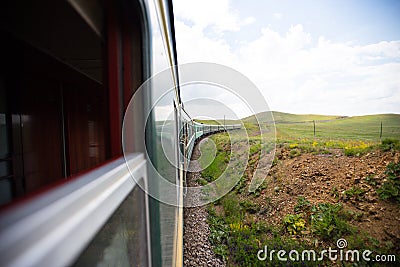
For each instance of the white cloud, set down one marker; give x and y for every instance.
(209, 13)
(296, 72)
(277, 15)
(194, 45)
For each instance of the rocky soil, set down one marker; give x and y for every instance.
(318, 178)
(197, 249)
(325, 178)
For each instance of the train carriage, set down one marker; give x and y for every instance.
(68, 71)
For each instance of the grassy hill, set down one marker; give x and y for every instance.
(367, 127)
(281, 117)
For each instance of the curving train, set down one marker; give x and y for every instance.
(68, 72)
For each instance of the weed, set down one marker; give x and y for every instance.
(302, 204)
(391, 188)
(371, 180)
(393, 170)
(294, 223)
(355, 192)
(232, 208)
(243, 245)
(357, 216)
(275, 161)
(241, 184)
(389, 191)
(295, 145)
(259, 189)
(357, 150)
(218, 233)
(335, 192)
(249, 206)
(390, 144)
(294, 153)
(202, 181)
(328, 221)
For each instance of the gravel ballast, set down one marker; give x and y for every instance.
(197, 248)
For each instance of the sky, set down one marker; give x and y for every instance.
(337, 57)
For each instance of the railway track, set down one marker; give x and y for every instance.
(197, 250)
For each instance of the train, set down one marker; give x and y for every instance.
(79, 158)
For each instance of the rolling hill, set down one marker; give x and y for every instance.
(366, 127)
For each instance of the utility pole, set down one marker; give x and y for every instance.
(314, 127)
(380, 135)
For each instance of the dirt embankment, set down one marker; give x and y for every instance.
(333, 178)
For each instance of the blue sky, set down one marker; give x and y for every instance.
(362, 21)
(328, 57)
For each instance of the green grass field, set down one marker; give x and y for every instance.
(363, 128)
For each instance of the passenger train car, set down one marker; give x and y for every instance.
(68, 71)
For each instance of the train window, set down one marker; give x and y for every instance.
(122, 240)
(53, 87)
(5, 174)
(67, 76)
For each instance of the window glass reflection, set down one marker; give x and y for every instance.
(122, 240)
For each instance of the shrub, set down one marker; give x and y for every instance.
(255, 148)
(302, 204)
(249, 206)
(241, 184)
(295, 152)
(233, 210)
(371, 180)
(391, 188)
(355, 192)
(335, 192)
(293, 145)
(259, 189)
(357, 150)
(243, 246)
(389, 191)
(218, 234)
(328, 221)
(390, 144)
(294, 223)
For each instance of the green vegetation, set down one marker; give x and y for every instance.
(371, 180)
(320, 146)
(355, 192)
(367, 128)
(238, 240)
(281, 117)
(329, 221)
(294, 223)
(390, 144)
(249, 206)
(391, 188)
(221, 160)
(218, 122)
(295, 152)
(357, 150)
(302, 204)
(237, 234)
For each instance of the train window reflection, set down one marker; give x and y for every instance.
(122, 240)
